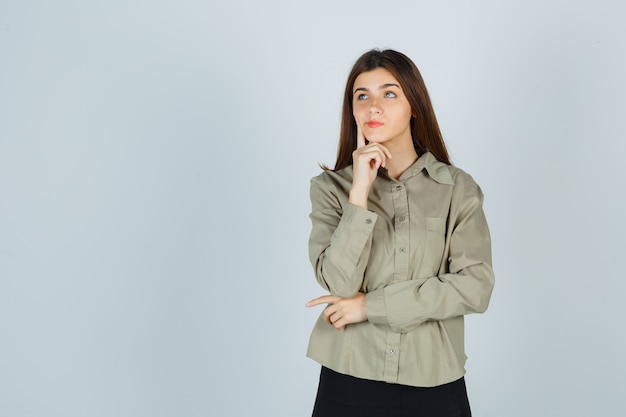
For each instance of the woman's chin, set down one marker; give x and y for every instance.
(377, 139)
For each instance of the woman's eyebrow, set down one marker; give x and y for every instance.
(382, 87)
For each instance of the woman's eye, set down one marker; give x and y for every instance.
(390, 94)
(362, 96)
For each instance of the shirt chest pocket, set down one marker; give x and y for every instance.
(435, 244)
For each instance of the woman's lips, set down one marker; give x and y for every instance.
(374, 123)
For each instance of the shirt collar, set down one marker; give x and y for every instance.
(438, 171)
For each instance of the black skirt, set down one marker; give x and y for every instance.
(341, 395)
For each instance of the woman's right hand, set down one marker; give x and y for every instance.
(366, 159)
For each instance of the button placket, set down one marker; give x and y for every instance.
(392, 357)
(401, 271)
(401, 227)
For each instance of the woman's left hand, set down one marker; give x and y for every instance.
(342, 311)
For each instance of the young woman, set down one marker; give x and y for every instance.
(400, 241)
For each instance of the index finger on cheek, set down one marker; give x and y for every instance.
(360, 139)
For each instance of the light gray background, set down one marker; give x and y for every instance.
(154, 168)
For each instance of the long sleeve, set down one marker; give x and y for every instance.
(465, 280)
(340, 240)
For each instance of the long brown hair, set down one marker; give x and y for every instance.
(424, 127)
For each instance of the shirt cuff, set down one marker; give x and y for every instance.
(359, 217)
(375, 307)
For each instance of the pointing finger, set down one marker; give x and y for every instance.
(325, 299)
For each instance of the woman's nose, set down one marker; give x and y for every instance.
(375, 108)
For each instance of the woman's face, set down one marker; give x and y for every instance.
(380, 108)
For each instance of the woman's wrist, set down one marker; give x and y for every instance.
(358, 197)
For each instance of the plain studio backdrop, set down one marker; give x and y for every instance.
(155, 160)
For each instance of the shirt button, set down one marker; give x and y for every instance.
(398, 188)
(368, 221)
(402, 250)
(392, 350)
(401, 218)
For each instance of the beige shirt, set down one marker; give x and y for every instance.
(422, 255)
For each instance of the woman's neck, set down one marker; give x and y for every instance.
(402, 157)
